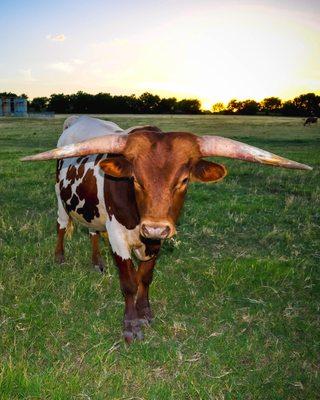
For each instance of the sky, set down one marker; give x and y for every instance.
(211, 50)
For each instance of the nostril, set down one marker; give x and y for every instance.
(144, 229)
(166, 231)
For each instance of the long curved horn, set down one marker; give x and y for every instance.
(224, 147)
(114, 143)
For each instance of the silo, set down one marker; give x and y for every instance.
(20, 107)
(6, 109)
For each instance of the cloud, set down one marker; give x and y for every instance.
(56, 38)
(26, 75)
(62, 67)
(77, 61)
(116, 42)
(66, 66)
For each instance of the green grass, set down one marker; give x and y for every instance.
(236, 294)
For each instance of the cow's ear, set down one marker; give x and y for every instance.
(117, 167)
(206, 171)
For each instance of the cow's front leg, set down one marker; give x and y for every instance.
(144, 278)
(129, 287)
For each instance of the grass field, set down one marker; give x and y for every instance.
(235, 295)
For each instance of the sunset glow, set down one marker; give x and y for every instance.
(211, 50)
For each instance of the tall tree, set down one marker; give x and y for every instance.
(189, 106)
(270, 105)
(248, 107)
(8, 94)
(82, 103)
(167, 105)
(39, 103)
(307, 104)
(289, 109)
(59, 103)
(218, 108)
(233, 106)
(149, 103)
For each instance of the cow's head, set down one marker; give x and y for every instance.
(161, 166)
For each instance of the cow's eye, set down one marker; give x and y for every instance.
(182, 184)
(185, 181)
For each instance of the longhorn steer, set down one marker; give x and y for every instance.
(132, 184)
(310, 120)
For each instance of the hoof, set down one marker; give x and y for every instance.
(145, 316)
(59, 258)
(132, 330)
(99, 268)
(145, 321)
(99, 265)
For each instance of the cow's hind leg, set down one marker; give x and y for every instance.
(144, 277)
(97, 260)
(63, 221)
(129, 287)
(59, 250)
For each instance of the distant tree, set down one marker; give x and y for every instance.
(218, 108)
(149, 103)
(233, 106)
(59, 103)
(270, 105)
(289, 109)
(248, 107)
(132, 104)
(24, 96)
(167, 105)
(125, 104)
(8, 94)
(242, 107)
(307, 104)
(189, 106)
(39, 103)
(81, 103)
(101, 103)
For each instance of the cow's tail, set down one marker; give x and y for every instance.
(69, 229)
(105, 237)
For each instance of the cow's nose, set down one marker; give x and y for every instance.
(155, 231)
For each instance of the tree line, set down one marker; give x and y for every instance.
(104, 103)
(304, 105)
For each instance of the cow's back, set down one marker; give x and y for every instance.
(77, 129)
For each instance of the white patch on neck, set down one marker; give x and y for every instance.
(121, 239)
